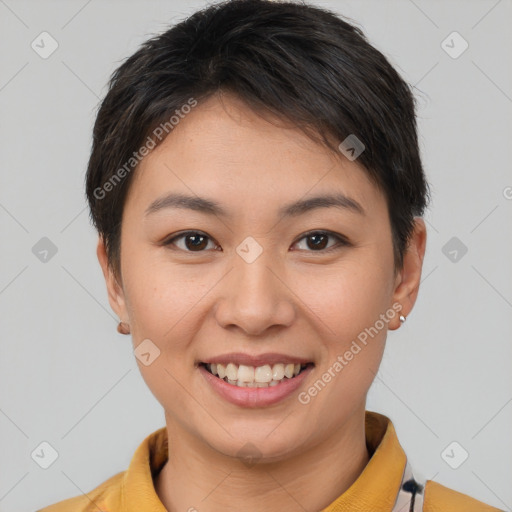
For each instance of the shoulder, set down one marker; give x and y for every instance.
(105, 497)
(439, 498)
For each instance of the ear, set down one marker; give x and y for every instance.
(114, 289)
(408, 279)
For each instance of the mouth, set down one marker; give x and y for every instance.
(264, 376)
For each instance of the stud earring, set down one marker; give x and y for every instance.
(402, 319)
(123, 328)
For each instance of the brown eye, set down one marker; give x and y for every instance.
(193, 241)
(317, 241)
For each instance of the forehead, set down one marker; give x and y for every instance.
(224, 149)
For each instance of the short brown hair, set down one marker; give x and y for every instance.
(298, 61)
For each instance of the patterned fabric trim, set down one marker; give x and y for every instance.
(411, 494)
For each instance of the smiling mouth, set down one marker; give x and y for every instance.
(256, 377)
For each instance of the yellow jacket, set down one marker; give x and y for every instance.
(385, 485)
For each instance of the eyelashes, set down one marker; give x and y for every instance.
(341, 240)
(198, 241)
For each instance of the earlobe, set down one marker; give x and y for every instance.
(409, 277)
(114, 289)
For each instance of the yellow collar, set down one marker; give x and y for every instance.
(378, 485)
(376, 488)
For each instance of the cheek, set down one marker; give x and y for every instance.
(349, 297)
(353, 307)
(161, 297)
(353, 338)
(164, 303)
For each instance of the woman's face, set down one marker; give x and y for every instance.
(257, 280)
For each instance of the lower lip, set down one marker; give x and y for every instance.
(254, 397)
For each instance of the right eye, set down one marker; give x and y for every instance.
(194, 241)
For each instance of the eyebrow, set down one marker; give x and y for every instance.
(210, 207)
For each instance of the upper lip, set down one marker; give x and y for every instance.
(270, 358)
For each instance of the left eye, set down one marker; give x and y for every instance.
(317, 240)
(195, 241)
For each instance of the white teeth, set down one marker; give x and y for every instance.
(263, 373)
(232, 371)
(255, 377)
(278, 372)
(245, 373)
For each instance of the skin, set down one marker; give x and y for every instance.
(294, 299)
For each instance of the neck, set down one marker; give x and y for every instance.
(196, 477)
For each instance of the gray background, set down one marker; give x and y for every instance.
(67, 376)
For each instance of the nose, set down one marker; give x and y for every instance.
(256, 296)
